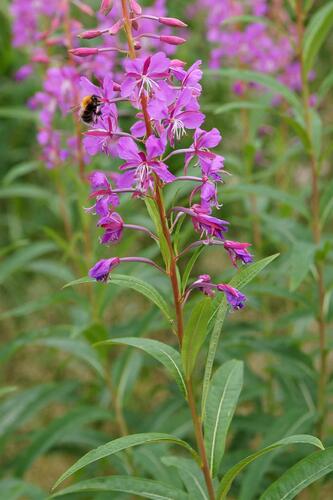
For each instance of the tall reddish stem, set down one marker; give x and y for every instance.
(172, 271)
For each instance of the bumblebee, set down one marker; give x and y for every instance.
(90, 109)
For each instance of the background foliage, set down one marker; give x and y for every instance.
(61, 397)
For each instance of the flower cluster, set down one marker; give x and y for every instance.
(44, 29)
(164, 97)
(259, 46)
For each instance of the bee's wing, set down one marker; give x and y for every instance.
(75, 108)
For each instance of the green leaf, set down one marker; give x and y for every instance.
(231, 474)
(163, 353)
(25, 191)
(16, 489)
(301, 475)
(268, 192)
(237, 105)
(291, 422)
(154, 215)
(52, 433)
(8, 389)
(18, 113)
(121, 444)
(316, 33)
(253, 76)
(15, 411)
(301, 260)
(23, 256)
(77, 347)
(191, 475)
(248, 19)
(189, 266)
(242, 278)
(136, 284)
(326, 203)
(145, 488)
(20, 170)
(223, 393)
(195, 333)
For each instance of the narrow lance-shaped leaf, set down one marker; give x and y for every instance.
(301, 475)
(232, 473)
(136, 284)
(121, 444)
(316, 33)
(223, 393)
(163, 353)
(195, 334)
(191, 475)
(138, 486)
(52, 433)
(242, 278)
(301, 260)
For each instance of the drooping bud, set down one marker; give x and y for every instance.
(116, 27)
(172, 40)
(172, 21)
(177, 63)
(87, 35)
(106, 6)
(135, 7)
(84, 51)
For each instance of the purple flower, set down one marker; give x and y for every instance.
(189, 79)
(210, 162)
(144, 165)
(238, 251)
(235, 298)
(204, 284)
(205, 223)
(101, 270)
(143, 73)
(182, 114)
(103, 138)
(102, 192)
(113, 225)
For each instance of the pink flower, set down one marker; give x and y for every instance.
(103, 138)
(101, 270)
(143, 74)
(144, 165)
(113, 225)
(238, 251)
(235, 298)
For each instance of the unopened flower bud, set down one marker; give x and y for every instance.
(87, 35)
(172, 21)
(137, 45)
(172, 40)
(135, 7)
(177, 63)
(116, 27)
(84, 51)
(106, 6)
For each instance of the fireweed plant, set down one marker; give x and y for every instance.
(163, 95)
